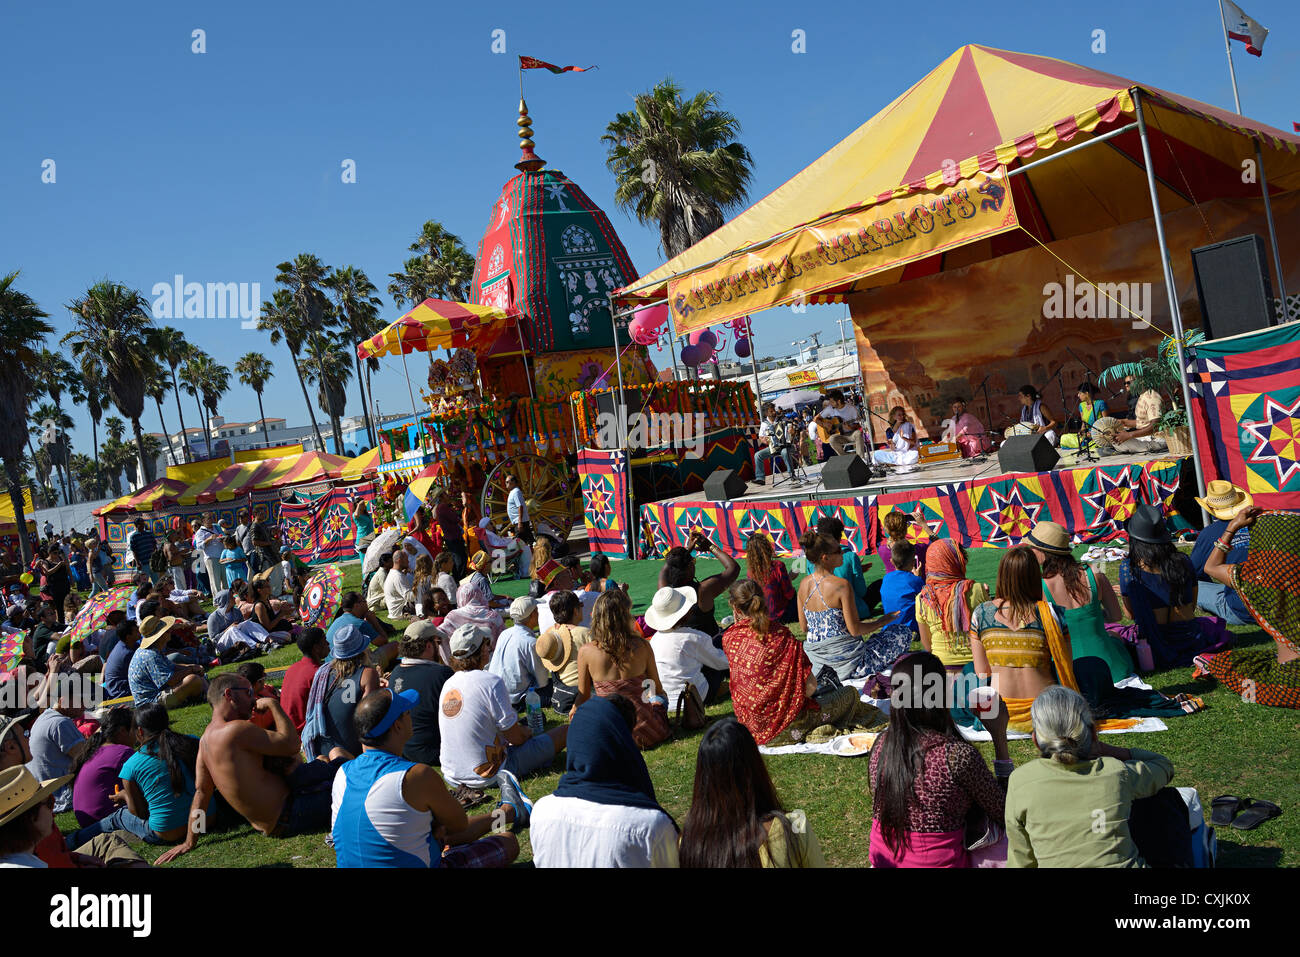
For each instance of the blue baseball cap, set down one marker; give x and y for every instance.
(403, 701)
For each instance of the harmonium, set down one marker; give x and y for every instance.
(939, 452)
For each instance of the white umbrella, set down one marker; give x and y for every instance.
(797, 398)
(383, 542)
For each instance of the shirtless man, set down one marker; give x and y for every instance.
(231, 760)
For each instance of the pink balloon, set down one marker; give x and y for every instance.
(706, 338)
(646, 323)
(742, 347)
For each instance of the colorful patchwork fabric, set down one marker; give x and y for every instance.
(1268, 581)
(1255, 674)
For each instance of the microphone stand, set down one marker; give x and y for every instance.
(988, 411)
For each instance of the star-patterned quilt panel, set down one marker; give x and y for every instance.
(604, 475)
(1246, 410)
(319, 528)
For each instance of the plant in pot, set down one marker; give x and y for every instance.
(1160, 373)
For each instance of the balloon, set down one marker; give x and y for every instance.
(646, 323)
(26, 578)
(742, 347)
(706, 338)
(692, 356)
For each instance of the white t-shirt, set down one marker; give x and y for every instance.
(375, 591)
(546, 621)
(680, 655)
(448, 586)
(848, 413)
(397, 592)
(472, 709)
(516, 507)
(571, 832)
(902, 437)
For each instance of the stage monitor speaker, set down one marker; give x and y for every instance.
(723, 485)
(1027, 453)
(610, 404)
(1232, 283)
(845, 471)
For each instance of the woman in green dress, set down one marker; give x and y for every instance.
(1087, 599)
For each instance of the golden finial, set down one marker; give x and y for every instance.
(528, 160)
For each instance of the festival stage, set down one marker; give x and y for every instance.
(970, 501)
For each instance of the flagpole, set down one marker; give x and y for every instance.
(1227, 45)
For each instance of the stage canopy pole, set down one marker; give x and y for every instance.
(620, 413)
(1172, 290)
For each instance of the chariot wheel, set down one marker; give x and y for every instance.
(551, 489)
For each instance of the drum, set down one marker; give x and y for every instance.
(1020, 428)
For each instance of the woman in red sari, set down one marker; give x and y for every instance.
(769, 573)
(772, 688)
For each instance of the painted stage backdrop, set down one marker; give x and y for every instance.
(1016, 318)
(1091, 503)
(1246, 409)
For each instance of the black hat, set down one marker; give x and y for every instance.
(1148, 525)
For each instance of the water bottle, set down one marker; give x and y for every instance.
(1146, 661)
(533, 708)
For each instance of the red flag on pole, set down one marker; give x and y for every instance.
(532, 63)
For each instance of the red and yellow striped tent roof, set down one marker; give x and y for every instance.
(365, 465)
(245, 477)
(438, 324)
(981, 108)
(159, 494)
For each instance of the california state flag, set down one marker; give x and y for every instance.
(1243, 28)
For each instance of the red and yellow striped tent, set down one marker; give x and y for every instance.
(245, 477)
(438, 324)
(980, 110)
(366, 465)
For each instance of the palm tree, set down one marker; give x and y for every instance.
(116, 455)
(305, 278)
(147, 455)
(444, 268)
(677, 164)
(197, 368)
(156, 388)
(54, 375)
(51, 427)
(215, 383)
(170, 347)
(23, 330)
(92, 393)
(328, 367)
(92, 481)
(255, 371)
(114, 428)
(280, 318)
(110, 322)
(358, 308)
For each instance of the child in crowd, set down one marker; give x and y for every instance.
(900, 587)
(256, 675)
(234, 561)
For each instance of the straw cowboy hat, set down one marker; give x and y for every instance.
(1224, 500)
(669, 606)
(20, 791)
(155, 628)
(556, 652)
(1050, 537)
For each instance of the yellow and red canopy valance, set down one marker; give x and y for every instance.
(439, 324)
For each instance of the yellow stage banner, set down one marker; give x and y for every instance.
(867, 241)
(803, 377)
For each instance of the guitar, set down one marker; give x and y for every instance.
(829, 427)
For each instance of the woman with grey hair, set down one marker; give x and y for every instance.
(1085, 803)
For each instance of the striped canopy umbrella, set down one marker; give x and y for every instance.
(365, 465)
(159, 494)
(421, 489)
(94, 614)
(438, 324)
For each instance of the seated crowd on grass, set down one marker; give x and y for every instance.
(384, 742)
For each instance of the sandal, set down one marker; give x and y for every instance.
(1223, 809)
(1255, 814)
(1190, 704)
(469, 797)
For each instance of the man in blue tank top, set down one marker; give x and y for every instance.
(390, 812)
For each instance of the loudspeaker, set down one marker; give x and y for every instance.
(626, 404)
(845, 471)
(1027, 453)
(723, 485)
(1233, 285)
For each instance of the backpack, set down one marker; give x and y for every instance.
(690, 710)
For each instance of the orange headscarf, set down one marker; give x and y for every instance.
(947, 589)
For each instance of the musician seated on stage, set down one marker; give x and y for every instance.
(1091, 411)
(966, 431)
(1035, 418)
(903, 440)
(1138, 435)
(775, 438)
(838, 425)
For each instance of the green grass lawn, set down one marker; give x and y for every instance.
(1229, 748)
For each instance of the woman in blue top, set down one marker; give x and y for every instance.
(829, 617)
(1091, 409)
(158, 783)
(364, 526)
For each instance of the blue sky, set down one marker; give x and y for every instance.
(219, 166)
